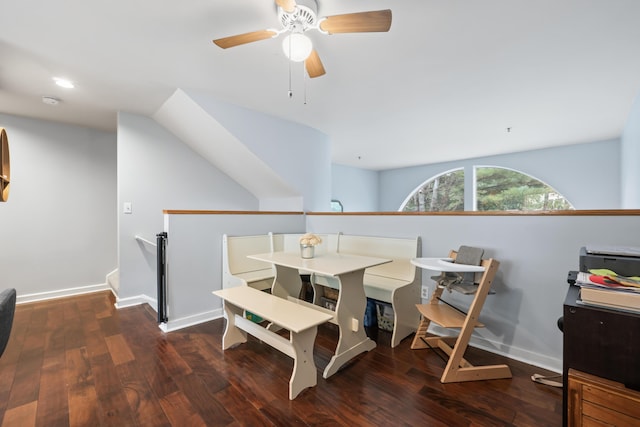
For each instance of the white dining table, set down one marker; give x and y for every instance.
(349, 315)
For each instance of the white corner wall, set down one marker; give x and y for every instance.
(197, 127)
(629, 170)
(156, 171)
(298, 154)
(194, 259)
(58, 229)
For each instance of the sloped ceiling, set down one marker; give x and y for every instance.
(199, 129)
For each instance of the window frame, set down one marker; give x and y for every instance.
(472, 186)
(406, 200)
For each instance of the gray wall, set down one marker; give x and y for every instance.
(194, 258)
(588, 175)
(156, 171)
(629, 161)
(58, 229)
(356, 188)
(535, 254)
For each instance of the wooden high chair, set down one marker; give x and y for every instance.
(457, 369)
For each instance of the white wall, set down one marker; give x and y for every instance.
(535, 254)
(300, 155)
(196, 126)
(356, 188)
(588, 175)
(156, 172)
(629, 159)
(58, 229)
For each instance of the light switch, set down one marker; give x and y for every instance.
(127, 208)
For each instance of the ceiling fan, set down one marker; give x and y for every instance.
(299, 16)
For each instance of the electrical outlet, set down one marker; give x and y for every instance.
(425, 292)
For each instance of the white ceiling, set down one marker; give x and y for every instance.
(443, 84)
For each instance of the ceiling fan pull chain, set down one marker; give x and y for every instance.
(304, 83)
(290, 93)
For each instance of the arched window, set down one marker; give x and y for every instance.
(494, 189)
(503, 189)
(444, 192)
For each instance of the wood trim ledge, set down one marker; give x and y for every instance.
(590, 212)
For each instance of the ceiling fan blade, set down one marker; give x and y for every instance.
(287, 5)
(239, 39)
(314, 65)
(361, 22)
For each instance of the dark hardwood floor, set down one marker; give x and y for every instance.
(78, 361)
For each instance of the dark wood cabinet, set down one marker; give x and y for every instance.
(601, 342)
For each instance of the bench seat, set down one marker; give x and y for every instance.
(301, 322)
(259, 279)
(238, 270)
(377, 287)
(382, 288)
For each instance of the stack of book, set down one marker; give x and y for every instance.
(605, 288)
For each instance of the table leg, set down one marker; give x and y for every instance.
(350, 315)
(287, 282)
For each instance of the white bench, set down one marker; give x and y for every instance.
(238, 270)
(301, 322)
(395, 283)
(291, 243)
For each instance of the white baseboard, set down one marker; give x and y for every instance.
(174, 325)
(61, 293)
(525, 356)
(528, 357)
(113, 279)
(136, 300)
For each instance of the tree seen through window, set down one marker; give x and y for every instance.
(501, 189)
(496, 189)
(442, 193)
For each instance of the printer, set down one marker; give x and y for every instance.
(625, 261)
(597, 340)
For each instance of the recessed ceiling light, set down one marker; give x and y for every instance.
(64, 83)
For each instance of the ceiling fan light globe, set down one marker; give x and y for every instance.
(297, 47)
